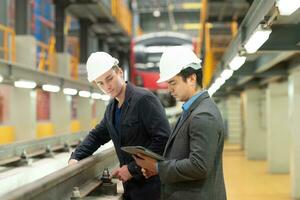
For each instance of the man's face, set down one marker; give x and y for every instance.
(179, 89)
(111, 82)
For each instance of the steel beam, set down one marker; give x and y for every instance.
(13, 71)
(21, 14)
(256, 13)
(283, 38)
(268, 61)
(83, 36)
(60, 6)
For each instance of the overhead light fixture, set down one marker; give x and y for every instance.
(210, 91)
(226, 74)
(219, 81)
(213, 88)
(25, 84)
(96, 95)
(191, 6)
(237, 62)
(69, 91)
(287, 7)
(50, 88)
(257, 39)
(156, 13)
(191, 26)
(105, 97)
(84, 93)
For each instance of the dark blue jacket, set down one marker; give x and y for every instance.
(144, 123)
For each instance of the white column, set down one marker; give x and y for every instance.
(255, 133)
(64, 64)
(278, 128)
(26, 48)
(100, 109)
(23, 113)
(60, 112)
(223, 110)
(233, 106)
(294, 122)
(84, 113)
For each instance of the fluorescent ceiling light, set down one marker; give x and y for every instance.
(257, 39)
(84, 93)
(25, 84)
(219, 81)
(287, 7)
(156, 13)
(191, 5)
(96, 95)
(211, 91)
(50, 88)
(105, 97)
(191, 26)
(69, 91)
(237, 62)
(213, 88)
(226, 74)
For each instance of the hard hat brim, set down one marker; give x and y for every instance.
(164, 79)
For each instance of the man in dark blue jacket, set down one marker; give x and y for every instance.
(134, 117)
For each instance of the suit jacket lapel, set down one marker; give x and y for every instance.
(177, 127)
(126, 104)
(181, 122)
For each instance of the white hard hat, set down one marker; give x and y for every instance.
(98, 63)
(174, 59)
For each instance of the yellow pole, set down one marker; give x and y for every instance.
(203, 13)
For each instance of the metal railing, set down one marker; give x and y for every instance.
(8, 49)
(73, 46)
(47, 55)
(74, 67)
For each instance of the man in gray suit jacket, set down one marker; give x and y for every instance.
(192, 168)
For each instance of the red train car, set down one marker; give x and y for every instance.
(146, 51)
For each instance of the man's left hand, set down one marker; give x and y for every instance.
(148, 165)
(121, 173)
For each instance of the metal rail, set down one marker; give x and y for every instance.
(22, 151)
(81, 177)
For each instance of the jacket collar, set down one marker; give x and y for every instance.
(181, 122)
(128, 94)
(203, 96)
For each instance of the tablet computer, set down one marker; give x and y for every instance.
(134, 150)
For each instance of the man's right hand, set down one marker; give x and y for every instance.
(72, 161)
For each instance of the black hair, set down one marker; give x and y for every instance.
(115, 67)
(187, 72)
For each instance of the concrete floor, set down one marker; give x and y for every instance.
(249, 179)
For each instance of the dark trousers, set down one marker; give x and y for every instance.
(148, 189)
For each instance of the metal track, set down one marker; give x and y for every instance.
(22, 151)
(61, 184)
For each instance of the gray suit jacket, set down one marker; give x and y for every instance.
(193, 166)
